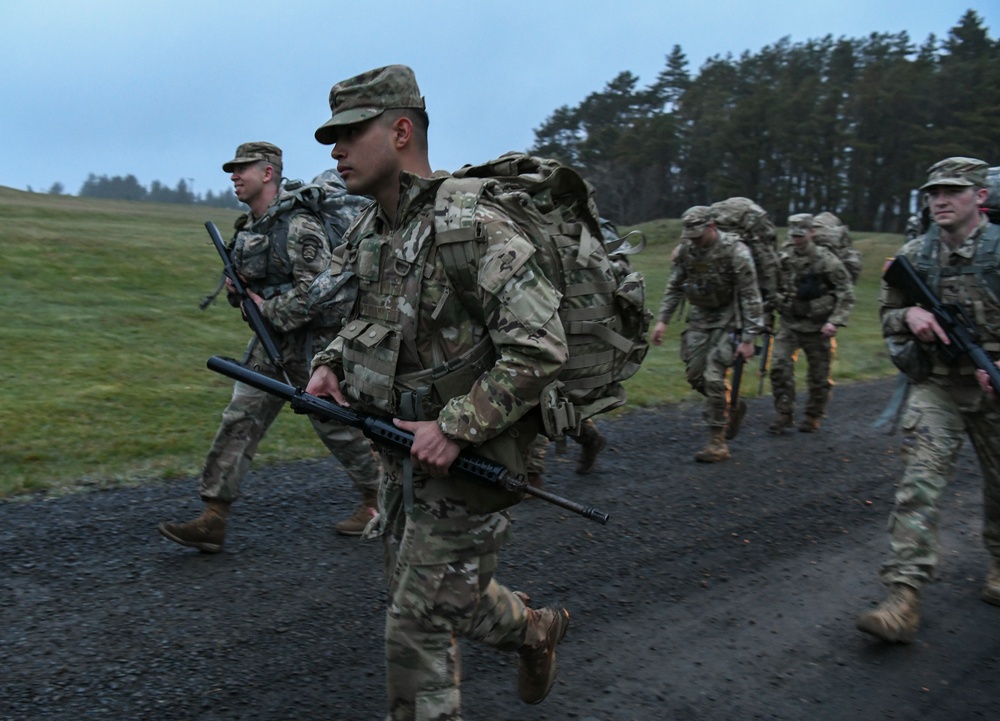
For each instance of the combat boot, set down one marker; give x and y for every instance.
(716, 449)
(897, 618)
(735, 419)
(778, 426)
(537, 670)
(809, 425)
(588, 454)
(207, 532)
(991, 591)
(355, 524)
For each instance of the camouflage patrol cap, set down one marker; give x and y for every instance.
(957, 171)
(800, 224)
(695, 220)
(253, 152)
(367, 96)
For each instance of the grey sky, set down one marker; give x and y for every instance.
(166, 90)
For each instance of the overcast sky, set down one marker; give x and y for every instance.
(166, 90)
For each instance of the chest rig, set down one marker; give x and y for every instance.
(710, 278)
(260, 254)
(382, 367)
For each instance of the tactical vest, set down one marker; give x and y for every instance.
(260, 256)
(973, 286)
(710, 280)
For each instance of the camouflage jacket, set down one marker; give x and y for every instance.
(720, 282)
(815, 289)
(410, 319)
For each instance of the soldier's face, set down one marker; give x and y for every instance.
(365, 161)
(955, 206)
(801, 242)
(248, 181)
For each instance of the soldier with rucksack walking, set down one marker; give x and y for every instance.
(277, 257)
(457, 355)
(714, 272)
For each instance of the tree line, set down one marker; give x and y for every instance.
(129, 188)
(844, 125)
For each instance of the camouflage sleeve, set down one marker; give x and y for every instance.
(843, 291)
(892, 303)
(747, 294)
(673, 294)
(308, 255)
(519, 305)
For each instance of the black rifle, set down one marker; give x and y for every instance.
(250, 310)
(952, 318)
(734, 398)
(388, 437)
(765, 355)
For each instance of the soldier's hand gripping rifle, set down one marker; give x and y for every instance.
(251, 312)
(385, 435)
(961, 331)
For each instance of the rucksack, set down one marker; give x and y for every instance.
(754, 227)
(603, 300)
(326, 197)
(992, 206)
(833, 235)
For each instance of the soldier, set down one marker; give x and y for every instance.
(277, 258)
(441, 533)
(832, 234)
(714, 272)
(815, 299)
(958, 259)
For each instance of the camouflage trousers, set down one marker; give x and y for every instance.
(540, 448)
(245, 422)
(440, 563)
(708, 354)
(935, 423)
(816, 347)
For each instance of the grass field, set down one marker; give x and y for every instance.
(104, 378)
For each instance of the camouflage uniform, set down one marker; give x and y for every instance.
(279, 262)
(815, 289)
(720, 284)
(941, 411)
(473, 359)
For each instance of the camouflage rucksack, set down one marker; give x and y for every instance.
(754, 227)
(832, 234)
(992, 206)
(603, 300)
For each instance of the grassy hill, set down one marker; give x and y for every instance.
(104, 378)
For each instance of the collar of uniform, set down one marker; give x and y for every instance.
(968, 247)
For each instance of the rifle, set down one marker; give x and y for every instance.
(388, 437)
(952, 318)
(765, 356)
(735, 417)
(250, 310)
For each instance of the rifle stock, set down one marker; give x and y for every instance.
(961, 331)
(388, 437)
(250, 310)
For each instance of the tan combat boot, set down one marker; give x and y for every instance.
(537, 671)
(809, 425)
(716, 449)
(588, 454)
(897, 618)
(735, 419)
(778, 426)
(991, 591)
(355, 524)
(207, 532)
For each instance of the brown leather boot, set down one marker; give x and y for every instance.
(809, 425)
(778, 426)
(355, 524)
(537, 671)
(588, 454)
(991, 591)
(716, 449)
(207, 532)
(897, 618)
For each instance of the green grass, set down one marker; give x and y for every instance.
(104, 347)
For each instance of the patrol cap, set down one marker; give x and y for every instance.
(253, 152)
(367, 96)
(957, 171)
(695, 220)
(800, 223)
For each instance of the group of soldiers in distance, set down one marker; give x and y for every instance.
(740, 287)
